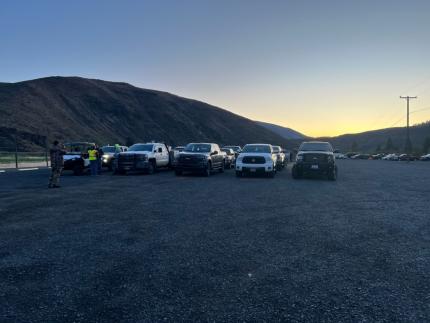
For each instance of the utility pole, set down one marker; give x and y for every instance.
(408, 140)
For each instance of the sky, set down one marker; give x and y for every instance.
(323, 68)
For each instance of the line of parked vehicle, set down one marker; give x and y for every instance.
(205, 158)
(382, 156)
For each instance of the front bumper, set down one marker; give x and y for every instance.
(130, 166)
(315, 168)
(254, 168)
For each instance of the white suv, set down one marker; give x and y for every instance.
(256, 158)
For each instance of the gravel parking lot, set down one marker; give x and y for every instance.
(165, 248)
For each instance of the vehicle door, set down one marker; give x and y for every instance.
(217, 157)
(158, 155)
(164, 155)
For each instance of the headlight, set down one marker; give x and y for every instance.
(299, 158)
(239, 159)
(268, 159)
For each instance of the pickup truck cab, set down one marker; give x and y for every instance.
(147, 157)
(76, 157)
(256, 158)
(200, 157)
(315, 157)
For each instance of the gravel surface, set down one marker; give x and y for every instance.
(165, 248)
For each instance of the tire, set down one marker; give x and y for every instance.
(152, 167)
(295, 173)
(238, 174)
(333, 175)
(221, 170)
(208, 170)
(178, 172)
(271, 174)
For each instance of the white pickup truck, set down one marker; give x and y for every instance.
(147, 157)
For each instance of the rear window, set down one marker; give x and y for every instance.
(315, 146)
(108, 149)
(198, 148)
(256, 149)
(141, 147)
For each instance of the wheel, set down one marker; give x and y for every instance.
(221, 170)
(271, 174)
(333, 175)
(208, 170)
(238, 174)
(295, 173)
(152, 167)
(178, 172)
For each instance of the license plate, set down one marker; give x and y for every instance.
(314, 167)
(252, 170)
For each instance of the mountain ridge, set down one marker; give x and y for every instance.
(76, 108)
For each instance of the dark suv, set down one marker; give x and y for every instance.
(315, 157)
(200, 157)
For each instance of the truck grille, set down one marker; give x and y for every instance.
(254, 160)
(315, 158)
(126, 160)
(190, 160)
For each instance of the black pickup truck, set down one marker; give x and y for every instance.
(200, 157)
(315, 157)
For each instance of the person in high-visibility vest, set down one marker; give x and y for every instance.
(92, 153)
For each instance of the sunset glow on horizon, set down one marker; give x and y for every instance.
(320, 68)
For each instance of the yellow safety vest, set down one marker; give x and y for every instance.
(92, 154)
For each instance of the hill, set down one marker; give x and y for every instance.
(386, 140)
(73, 108)
(284, 132)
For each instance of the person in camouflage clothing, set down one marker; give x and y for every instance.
(56, 154)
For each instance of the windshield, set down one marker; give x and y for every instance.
(235, 148)
(108, 149)
(198, 148)
(141, 147)
(276, 149)
(77, 148)
(315, 146)
(256, 149)
(227, 150)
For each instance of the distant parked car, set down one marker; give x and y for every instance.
(425, 157)
(109, 153)
(256, 159)
(376, 156)
(236, 149)
(350, 154)
(280, 157)
(175, 155)
(360, 156)
(315, 157)
(407, 157)
(338, 155)
(200, 157)
(392, 157)
(230, 157)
